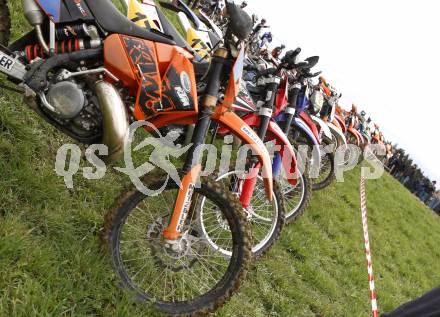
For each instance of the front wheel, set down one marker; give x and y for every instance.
(187, 276)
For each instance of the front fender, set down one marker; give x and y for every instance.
(287, 152)
(239, 128)
(307, 120)
(341, 123)
(323, 125)
(356, 136)
(301, 125)
(360, 136)
(366, 137)
(338, 133)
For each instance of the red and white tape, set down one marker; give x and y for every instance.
(368, 249)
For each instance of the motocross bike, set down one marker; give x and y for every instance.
(326, 173)
(214, 9)
(352, 122)
(352, 134)
(328, 112)
(310, 129)
(269, 90)
(266, 218)
(89, 71)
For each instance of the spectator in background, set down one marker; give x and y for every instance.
(408, 174)
(430, 190)
(414, 181)
(437, 208)
(435, 201)
(394, 162)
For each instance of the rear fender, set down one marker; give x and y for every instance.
(190, 14)
(198, 40)
(212, 25)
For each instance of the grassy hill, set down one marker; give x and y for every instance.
(52, 264)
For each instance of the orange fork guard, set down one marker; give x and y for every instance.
(183, 203)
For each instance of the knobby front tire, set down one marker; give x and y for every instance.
(182, 282)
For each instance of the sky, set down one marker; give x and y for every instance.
(382, 55)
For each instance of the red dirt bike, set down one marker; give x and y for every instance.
(89, 71)
(271, 94)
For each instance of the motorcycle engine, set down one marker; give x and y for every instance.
(76, 109)
(67, 98)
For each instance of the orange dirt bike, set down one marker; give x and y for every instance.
(89, 71)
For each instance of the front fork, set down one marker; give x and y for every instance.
(192, 167)
(265, 114)
(289, 115)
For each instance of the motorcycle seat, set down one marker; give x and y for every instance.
(113, 21)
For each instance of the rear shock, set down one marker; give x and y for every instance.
(69, 38)
(67, 46)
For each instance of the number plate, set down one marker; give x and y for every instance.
(6, 62)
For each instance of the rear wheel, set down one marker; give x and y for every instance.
(187, 276)
(5, 23)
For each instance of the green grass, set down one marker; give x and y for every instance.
(52, 264)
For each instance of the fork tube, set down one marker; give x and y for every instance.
(267, 108)
(265, 117)
(293, 98)
(192, 168)
(208, 104)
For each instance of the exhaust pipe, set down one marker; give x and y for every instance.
(115, 119)
(35, 16)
